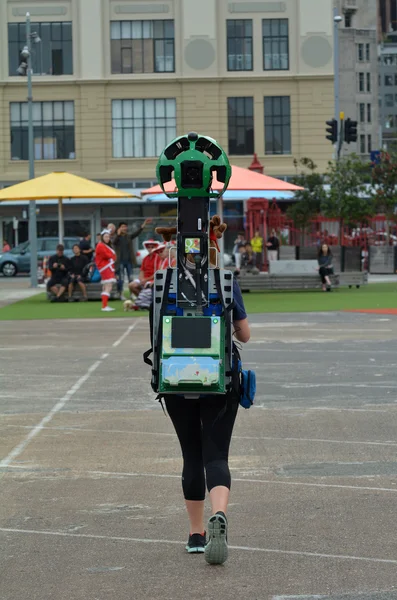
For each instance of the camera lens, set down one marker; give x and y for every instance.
(192, 174)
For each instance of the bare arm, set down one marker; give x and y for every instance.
(242, 330)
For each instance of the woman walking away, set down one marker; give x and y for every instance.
(105, 258)
(325, 266)
(204, 428)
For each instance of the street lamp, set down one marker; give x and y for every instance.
(25, 68)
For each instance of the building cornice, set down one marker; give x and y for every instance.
(176, 80)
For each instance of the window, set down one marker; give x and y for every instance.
(51, 245)
(277, 125)
(361, 82)
(360, 52)
(52, 56)
(239, 44)
(389, 59)
(348, 19)
(368, 52)
(388, 80)
(275, 44)
(240, 114)
(395, 79)
(362, 113)
(362, 144)
(142, 46)
(368, 82)
(142, 127)
(53, 130)
(369, 144)
(369, 113)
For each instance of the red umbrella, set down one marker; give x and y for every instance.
(241, 179)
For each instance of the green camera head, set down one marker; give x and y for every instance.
(192, 159)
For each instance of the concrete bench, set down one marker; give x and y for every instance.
(263, 282)
(292, 268)
(312, 281)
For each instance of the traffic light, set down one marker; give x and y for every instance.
(350, 131)
(332, 131)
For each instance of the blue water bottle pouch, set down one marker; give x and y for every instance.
(96, 276)
(248, 388)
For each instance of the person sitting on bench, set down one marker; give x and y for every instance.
(248, 260)
(77, 264)
(59, 266)
(325, 266)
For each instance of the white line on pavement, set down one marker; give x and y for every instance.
(59, 405)
(24, 348)
(175, 542)
(130, 328)
(235, 479)
(246, 480)
(235, 437)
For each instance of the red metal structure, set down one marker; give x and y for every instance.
(256, 166)
(263, 216)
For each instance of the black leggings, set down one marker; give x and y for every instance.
(324, 272)
(204, 431)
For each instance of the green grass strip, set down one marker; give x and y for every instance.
(382, 295)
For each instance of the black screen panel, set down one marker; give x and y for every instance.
(191, 332)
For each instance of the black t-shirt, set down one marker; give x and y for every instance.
(77, 264)
(325, 260)
(125, 254)
(274, 243)
(86, 245)
(57, 272)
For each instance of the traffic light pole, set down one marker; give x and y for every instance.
(341, 135)
(32, 203)
(336, 77)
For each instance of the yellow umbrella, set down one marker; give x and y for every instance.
(60, 185)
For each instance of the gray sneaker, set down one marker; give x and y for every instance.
(216, 550)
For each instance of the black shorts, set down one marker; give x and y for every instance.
(76, 279)
(62, 281)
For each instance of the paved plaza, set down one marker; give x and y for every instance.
(90, 496)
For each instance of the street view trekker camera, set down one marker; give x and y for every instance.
(192, 319)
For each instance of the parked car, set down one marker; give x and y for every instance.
(142, 252)
(17, 260)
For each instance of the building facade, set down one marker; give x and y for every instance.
(115, 80)
(388, 93)
(387, 17)
(388, 72)
(358, 71)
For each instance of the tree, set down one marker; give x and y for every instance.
(348, 198)
(384, 179)
(308, 201)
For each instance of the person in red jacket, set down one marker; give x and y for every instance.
(105, 258)
(149, 266)
(167, 254)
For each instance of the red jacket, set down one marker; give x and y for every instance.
(150, 264)
(105, 257)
